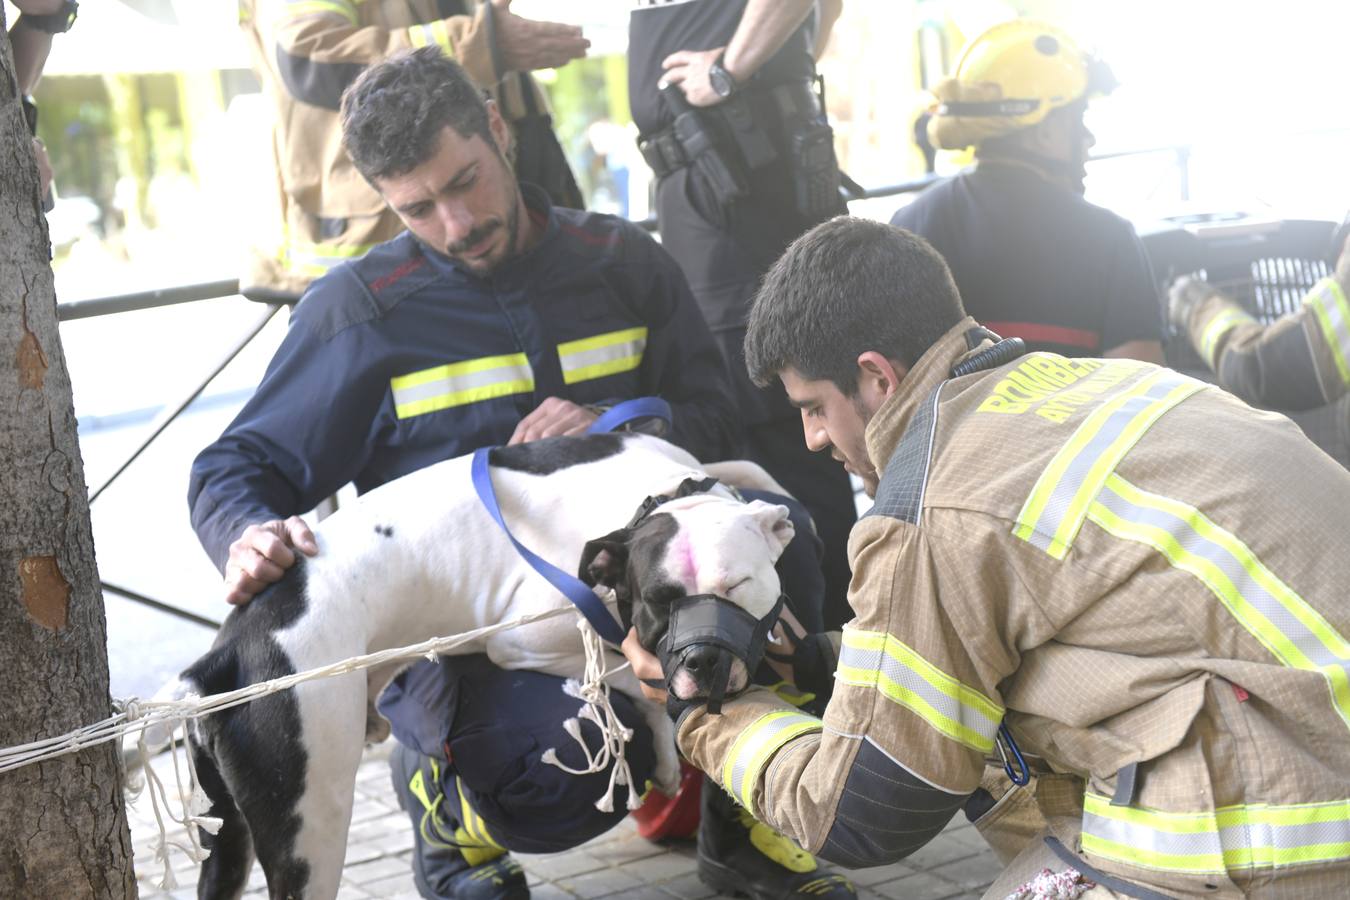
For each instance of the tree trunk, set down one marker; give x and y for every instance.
(63, 827)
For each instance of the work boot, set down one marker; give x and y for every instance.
(739, 855)
(454, 856)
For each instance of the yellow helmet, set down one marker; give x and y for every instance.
(1011, 77)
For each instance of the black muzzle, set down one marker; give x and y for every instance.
(702, 620)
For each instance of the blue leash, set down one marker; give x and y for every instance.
(569, 585)
(622, 413)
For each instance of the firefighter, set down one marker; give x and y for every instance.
(1300, 361)
(1059, 569)
(322, 211)
(1031, 257)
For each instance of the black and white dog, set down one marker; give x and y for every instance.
(417, 558)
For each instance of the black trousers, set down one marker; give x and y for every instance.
(724, 265)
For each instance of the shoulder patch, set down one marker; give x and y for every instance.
(366, 288)
(900, 493)
(554, 454)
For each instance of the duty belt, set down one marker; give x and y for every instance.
(762, 107)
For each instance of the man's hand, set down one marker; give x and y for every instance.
(262, 554)
(526, 44)
(1185, 294)
(689, 69)
(646, 667)
(551, 418)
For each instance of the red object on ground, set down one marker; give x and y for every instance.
(661, 817)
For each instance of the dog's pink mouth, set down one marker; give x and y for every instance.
(686, 686)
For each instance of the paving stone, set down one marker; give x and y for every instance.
(659, 868)
(362, 853)
(687, 887)
(876, 874)
(547, 891)
(395, 842)
(600, 883)
(376, 870)
(351, 892)
(385, 887)
(919, 886)
(557, 866)
(940, 851)
(975, 872)
(617, 853)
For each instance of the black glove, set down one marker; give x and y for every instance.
(813, 664)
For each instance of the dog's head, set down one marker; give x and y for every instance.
(703, 544)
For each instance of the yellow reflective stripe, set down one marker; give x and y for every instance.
(296, 9)
(1333, 317)
(1233, 837)
(1286, 625)
(316, 259)
(1225, 321)
(878, 660)
(461, 383)
(603, 354)
(790, 693)
(472, 822)
(432, 33)
(1058, 503)
(756, 744)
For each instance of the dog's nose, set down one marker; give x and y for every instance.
(700, 661)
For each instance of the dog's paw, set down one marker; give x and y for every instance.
(666, 776)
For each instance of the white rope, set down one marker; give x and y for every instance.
(137, 715)
(175, 712)
(593, 691)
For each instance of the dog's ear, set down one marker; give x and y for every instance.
(773, 519)
(605, 560)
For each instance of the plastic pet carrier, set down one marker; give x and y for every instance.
(1266, 265)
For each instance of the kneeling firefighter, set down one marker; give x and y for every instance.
(1058, 571)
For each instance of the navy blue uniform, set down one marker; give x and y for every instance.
(401, 359)
(1035, 260)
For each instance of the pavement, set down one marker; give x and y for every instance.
(956, 864)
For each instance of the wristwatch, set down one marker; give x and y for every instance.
(58, 22)
(723, 84)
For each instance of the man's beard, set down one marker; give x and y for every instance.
(473, 238)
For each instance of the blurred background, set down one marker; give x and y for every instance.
(158, 136)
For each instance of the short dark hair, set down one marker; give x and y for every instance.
(393, 114)
(845, 287)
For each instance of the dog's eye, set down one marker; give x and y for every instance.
(742, 583)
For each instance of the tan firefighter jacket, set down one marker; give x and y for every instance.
(1145, 578)
(322, 211)
(1300, 361)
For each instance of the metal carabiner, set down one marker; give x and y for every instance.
(1005, 737)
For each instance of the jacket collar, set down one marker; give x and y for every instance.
(933, 368)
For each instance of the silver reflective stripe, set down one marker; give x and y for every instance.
(460, 383)
(1194, 851)
(756, 744)
(1329, 303)
(1054, 512)
(602, 354)
(1294, 633)
(901, 675)
(1234, 837)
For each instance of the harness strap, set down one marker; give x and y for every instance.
(622, 413)
(571, 587)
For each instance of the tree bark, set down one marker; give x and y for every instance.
(63, 827)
